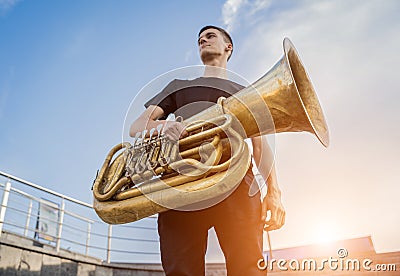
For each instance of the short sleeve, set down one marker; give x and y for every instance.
(165, 99)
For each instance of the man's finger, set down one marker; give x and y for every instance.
(279, 214)
(183, 133)
(279, 221)
(270, 227)
(276, 224)
(171, 135)
(264, 209)
(172, 132)
(283, 220)
(176, 132)
(274, 216)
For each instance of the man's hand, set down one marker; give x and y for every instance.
(174, 130)
(273, 204)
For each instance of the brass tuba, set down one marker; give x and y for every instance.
(154, 174)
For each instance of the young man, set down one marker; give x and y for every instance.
(238, 219)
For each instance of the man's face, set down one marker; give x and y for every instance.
(211, 43)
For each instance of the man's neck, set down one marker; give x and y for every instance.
(215, 60)
(216, 72)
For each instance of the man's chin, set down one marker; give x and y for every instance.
(207, 54)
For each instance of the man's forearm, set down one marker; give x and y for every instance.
(147, 120)
(143, 123)
(264, 160)
(273, 187)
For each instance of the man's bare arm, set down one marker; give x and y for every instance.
(149, 119)
(264, 160)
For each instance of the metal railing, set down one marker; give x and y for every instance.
(64, 223)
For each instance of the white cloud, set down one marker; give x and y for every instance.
(259, 5)
(235, 11)
(230, 11)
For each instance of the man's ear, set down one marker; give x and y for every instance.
(228, 47)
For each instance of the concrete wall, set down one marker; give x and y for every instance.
(20, 256)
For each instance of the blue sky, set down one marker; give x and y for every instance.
(70, 69)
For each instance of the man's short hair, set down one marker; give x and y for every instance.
(224, 33)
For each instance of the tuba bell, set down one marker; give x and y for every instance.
(153, 174)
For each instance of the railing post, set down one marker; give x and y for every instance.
(88, 238)
(60, 224)
(109, 243)
(28, 218)
(4, 203)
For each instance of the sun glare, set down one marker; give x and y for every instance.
(325, 233)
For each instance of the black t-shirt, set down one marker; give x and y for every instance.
(188, 97)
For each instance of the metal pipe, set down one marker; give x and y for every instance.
(109, 243)
(28, 218)
(60, 224)
(33, 185)
(4, 204)
(88, 239)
